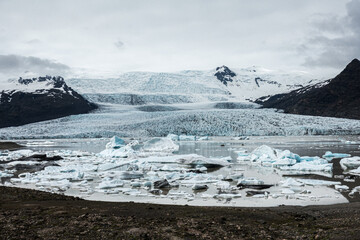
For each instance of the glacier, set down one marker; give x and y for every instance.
(128, 121)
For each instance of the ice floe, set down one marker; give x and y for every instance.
(153, 171)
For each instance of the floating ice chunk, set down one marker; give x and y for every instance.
(135, 184)
(173, 137)
(122, 152)
(106, 184)
(265, 152)
(162, 184)
(284, 162)
(291, 182)
(5, 173)
(234, 177)
(353, 162)
(115, 143)
(341, 188)
(315, 182)
(40, 143)
(329, 154)
(160, 145)
(313, 166)
(289, 155)
(205, 138)
(250, 181)
(128, 175)
(355, 171)
(227, 195)
(196, 160)
(187, 138)
(287, 191)
(16, 155)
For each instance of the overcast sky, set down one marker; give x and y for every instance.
(167, 35)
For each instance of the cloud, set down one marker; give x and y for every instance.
(335, 39)
(119, 44)
(17, 65)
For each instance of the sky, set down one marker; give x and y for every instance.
(114, 36)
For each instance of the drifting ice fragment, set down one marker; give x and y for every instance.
(106, 184)
(341, 187)
(162, 184)
(353, 162)
(115, 143)
(160, 145)
(187, 138)
(329, 154)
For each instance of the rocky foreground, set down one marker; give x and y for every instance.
(30, 214)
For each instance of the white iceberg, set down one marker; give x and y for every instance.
(352, 162)
(160, 145)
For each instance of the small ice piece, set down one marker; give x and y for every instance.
(135, 184)
(201, 169)
(291, 182)
(155, 191)
(199, 187)
(205, 138)
(160, 145)
(284, 162)
(287, 191)
(252, 193)
(316, 182)
(252, 183)
(329, 154)
(147, 184)
(187, 138)
(341, 188)
(195, 160)
(5, 173)
(173, 137)
(227, 195)
(350, 163)
(106, 184)
(115, 143)
(162, 184)
(128, 175)
(234, 177)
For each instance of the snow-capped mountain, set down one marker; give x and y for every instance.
(37, 99)
(220, 84)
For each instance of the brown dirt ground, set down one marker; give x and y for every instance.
(30, 214)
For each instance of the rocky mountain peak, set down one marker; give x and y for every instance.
(224, 74)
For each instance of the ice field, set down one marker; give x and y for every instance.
(181, 170)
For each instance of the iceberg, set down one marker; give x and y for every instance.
(160, 145)
(115, 143)
(107, 183)
(187, 138)
(331, 155)
(350, 163)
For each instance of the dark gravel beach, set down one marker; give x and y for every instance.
(30, 214)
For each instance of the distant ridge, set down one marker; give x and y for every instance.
(39, 99)
(337, 97)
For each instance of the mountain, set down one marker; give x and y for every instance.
(337, 97)
(220, 84)
(38, 99)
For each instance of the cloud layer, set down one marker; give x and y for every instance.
(162, 35)
(335, 39)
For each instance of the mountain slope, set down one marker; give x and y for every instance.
(220, 84)
(39, 99)
(338, 97)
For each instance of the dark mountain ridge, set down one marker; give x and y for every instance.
(337, 97)
(40, 99)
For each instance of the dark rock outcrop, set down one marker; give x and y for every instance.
(40, 99)
(224, 74)
(337, 97)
